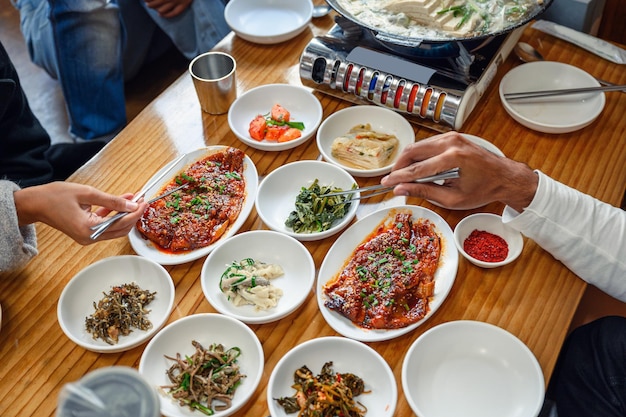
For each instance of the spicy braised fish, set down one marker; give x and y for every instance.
(390, 277)
(201, 213)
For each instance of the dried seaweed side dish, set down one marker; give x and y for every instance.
(208, 376)
(328, 394)
(120, 311)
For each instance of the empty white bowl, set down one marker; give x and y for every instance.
(491, 223)
(278, 191)
(347, 356)
(557, 114)
(299, 101)
(268, 21)
(381, 119)
(206, 329)
(271, 248)
(471, 369)
(88, 286)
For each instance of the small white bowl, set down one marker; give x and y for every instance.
(491, 223)
(86, 287)
(299, 101)
(269, 247)
(381, 119)
(278, 191)
(471, 369)
(268, 21)
(558, 114)
(347, 356)
(206, 329)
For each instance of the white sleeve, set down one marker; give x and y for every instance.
(587, 235)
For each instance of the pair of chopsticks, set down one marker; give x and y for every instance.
(381, 189)
(567, 91)
(103, 226)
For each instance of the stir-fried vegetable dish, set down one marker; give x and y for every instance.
(248, 282)
(328, 394)
(207, 380)
(316, 212)
(118, 312)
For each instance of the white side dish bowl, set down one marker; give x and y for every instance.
(299, 101)
(90, 285)
(206, 329)
(345, 245)
(268, 21)
(347, 356)
(278, 191)
(262, 246)
(471, 369)
(381, 119)
(557, 114)
(491, 223)
(146, 248)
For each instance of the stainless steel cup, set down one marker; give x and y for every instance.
(213, 75)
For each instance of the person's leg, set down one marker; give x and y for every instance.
(590, 377)
(197, 29)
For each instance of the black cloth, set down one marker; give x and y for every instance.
(26, 154)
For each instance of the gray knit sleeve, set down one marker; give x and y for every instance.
(18, 245)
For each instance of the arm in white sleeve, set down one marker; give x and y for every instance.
(17, 244)
(587, 235)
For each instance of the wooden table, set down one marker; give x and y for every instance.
(534, 298)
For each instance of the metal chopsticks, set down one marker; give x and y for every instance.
(381, 189)
(101, 227)
(551, 93)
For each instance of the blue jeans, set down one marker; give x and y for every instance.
(93, 46)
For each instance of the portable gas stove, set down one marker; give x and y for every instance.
(436, 85)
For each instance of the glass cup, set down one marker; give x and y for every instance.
(213, 75)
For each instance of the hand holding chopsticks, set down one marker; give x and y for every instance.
(381, 189)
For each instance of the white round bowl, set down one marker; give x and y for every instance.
(347, 356)
(268, 21)
(342, 250)
(557, 114)
(491, 223)
(269, 247)
(206, 329)
(381, 119)
(471, 369)
(278, 191)
(146, 248)
(86, 287)
(300, 102)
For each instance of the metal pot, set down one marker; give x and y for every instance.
(407, 41)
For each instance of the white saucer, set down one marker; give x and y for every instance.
(557, 114)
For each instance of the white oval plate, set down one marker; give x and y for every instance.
(471, 369)
(205, 328)
(347, 356)
(344, 246)
(277, 194)
(301, 103)
(269, 247)
(86, 287)
(381, 119)
(146, 248)
(560, 114)
(268, 21)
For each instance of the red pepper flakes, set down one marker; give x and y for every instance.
(486, 246)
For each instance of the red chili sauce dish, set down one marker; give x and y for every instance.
(485, 246)
(199, 214)
(388, 280)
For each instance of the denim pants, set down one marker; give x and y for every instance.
(93, 46)
(590, 377)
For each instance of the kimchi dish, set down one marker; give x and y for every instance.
(199, 214)
(388, 280)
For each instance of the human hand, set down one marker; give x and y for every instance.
(169, 8)
(484, 176)
(68, 207)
